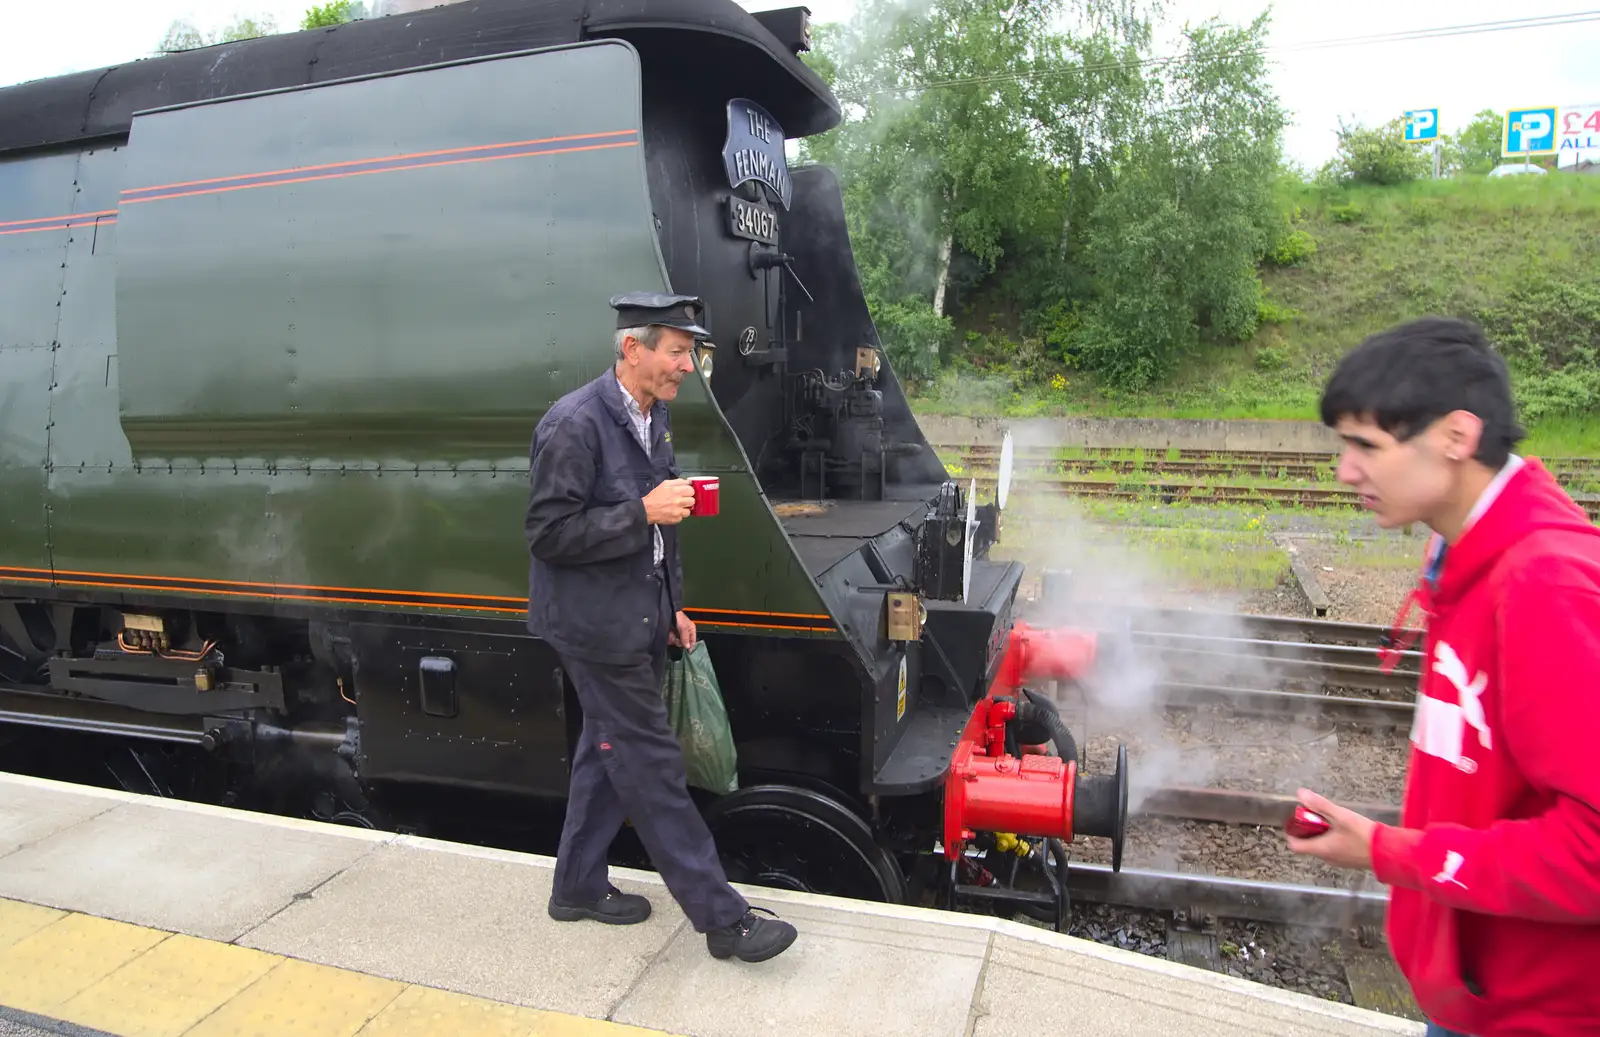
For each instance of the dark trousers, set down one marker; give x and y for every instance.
(628, 764)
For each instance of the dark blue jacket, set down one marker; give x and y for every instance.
(590, 594)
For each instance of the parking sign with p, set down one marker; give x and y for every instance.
(1422, 124)
(1529, 131)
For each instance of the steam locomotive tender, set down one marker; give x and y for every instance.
(277, 319)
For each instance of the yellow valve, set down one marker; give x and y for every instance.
(1006, 842)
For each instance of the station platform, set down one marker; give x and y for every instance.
(141, 917)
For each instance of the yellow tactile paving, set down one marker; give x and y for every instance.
(554, 1024)
(168, 989)
(425, 1012)
(21, 920)
(298, 997)
(137, 982)
(40, 973)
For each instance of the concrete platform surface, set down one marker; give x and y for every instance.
(132, 916)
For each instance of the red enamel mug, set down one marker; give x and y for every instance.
(707, 494)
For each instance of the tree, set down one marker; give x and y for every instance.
(1476, 149)
(1032, 155)
(1190, 210)
(957, 116)
(1380, 155)
(182, 34)
(334, 12)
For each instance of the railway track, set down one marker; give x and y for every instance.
(1246, 660)
(1268, 463)
(1134, 480)
(1204, 492)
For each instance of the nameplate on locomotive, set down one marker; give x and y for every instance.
(755, 222)
(754, 149)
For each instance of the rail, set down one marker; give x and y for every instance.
(979, 464)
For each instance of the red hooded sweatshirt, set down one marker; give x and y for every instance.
(1494, 872)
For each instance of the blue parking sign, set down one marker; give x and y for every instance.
(1529, 131)
(1422, 124)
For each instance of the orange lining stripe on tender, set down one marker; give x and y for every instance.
(369, 172)
(741, 612)
(46, 577)
(58, 219)
(289, 597)
(100, 221)
(249, 583)
(385, 158)
(754, 626)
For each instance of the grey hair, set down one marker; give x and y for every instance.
(649, 336)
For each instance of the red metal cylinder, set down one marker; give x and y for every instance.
(1030, 796)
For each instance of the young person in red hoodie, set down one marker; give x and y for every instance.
(1494, 869)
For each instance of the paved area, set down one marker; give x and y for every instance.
(142, 917)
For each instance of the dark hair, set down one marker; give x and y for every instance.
(1408, 377)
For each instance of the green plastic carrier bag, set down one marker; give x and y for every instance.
(698, 718)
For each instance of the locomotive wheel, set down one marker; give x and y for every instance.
(792, 838)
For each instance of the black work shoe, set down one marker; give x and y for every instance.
(751, 938)
(615, 908)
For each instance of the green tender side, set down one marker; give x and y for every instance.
(333, 316)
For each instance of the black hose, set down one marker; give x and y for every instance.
(1039, 715)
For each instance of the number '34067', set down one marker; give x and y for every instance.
(756, 221)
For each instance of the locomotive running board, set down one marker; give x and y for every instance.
(166, 685)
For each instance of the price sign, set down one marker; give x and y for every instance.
(1578, 129)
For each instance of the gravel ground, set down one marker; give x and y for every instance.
(8, 1028)
(1206, 747)
(1364, 584)
(1305, 960)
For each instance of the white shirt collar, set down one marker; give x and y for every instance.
(1490, 494)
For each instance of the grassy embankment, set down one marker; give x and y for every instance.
(1383, 255)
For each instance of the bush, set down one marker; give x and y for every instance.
(1345, 212)
(913, 336)
(1548, 329)
(1269, 312)
(1293, 249)
(1271, 358)
(1381, 155)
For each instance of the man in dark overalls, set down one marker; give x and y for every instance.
(605, 590)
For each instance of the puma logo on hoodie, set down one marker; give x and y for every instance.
(1440, 726)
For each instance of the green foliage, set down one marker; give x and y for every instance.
(182, 34)
(1495, 250)
(1271, 358)
(1271, 312)
(1380, 155)
(1188, 214)
(914, 336)
(1345, 213)
(1292, 249)
(1030, 159)
(1548, 328)
(334, 12)
(1476, 149)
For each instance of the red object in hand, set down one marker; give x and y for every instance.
(1306, 823)
(707, 494)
